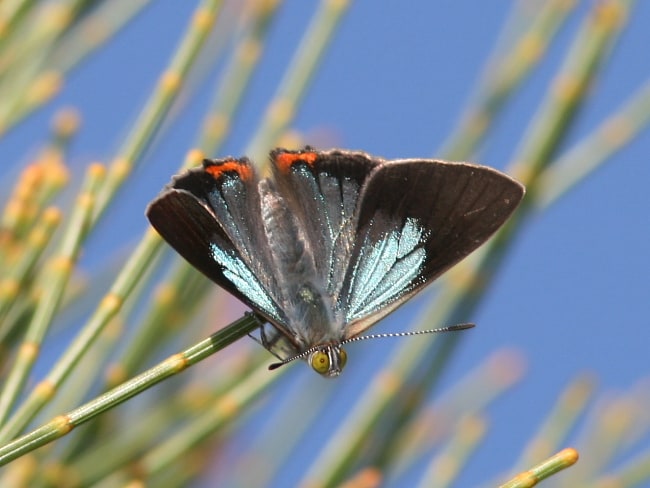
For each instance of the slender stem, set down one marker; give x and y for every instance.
(126, 281)
(446, 465)
(52, 283)
(282, 109)
(578, 162)
(160, 102)
(237, 76)
(569, 89)
(569, 409)
(224, 409)
(562, 460)
(12, 284)
(511, 65)
(63, 424)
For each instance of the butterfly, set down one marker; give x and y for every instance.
(333, 241)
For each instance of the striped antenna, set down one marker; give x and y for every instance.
(451, 328)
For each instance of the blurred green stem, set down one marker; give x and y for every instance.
(63, 424)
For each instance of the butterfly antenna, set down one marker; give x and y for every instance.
(306, 353)
(292, 358)
(450, 328)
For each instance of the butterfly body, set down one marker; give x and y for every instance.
(333, 241)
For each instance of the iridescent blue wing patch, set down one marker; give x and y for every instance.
(415, 220)
(323, 189)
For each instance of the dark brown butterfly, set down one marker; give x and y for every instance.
(333, 242)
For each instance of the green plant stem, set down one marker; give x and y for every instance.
(446, 465)
(593, 150)
(225, 408)
(86, 35)
(92, 31)
(632, 474)
(63, 424)
(28, 57)
(562, 460)
(52, 283)
(567, 93)
(13, 283)
(191, 402)
(170, 305)
(297, 76)
(126, 281)
(469, 396)
(11, 14)
(237, 76)
(160, 102)
(569, 409)
(510, 68)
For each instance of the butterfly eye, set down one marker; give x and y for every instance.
(328, 361)
(320, 361)
(343, 358)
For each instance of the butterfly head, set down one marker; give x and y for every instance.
(328, 360)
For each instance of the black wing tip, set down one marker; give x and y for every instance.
(154, 205)
(169, 206)
(516, 188)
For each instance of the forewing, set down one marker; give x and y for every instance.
(417, 219)
(210, 216)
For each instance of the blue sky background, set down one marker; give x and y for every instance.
(572, 295)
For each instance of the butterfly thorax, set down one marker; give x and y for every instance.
(313, 323)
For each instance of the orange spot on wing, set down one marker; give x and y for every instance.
(284, 161)
(244, 171)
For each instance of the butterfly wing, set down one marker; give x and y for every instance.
(415, 220)
(211, 217)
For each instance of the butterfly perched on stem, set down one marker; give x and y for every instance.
(333, 241)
